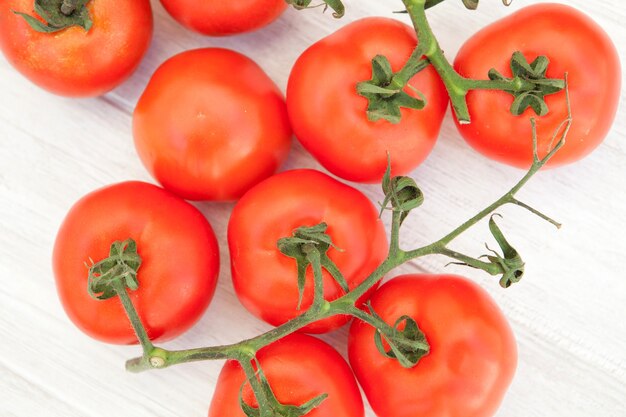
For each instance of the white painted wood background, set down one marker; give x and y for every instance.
(569, 312)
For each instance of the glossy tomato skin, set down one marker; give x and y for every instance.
(575, 45)
(329, 117)
(211, 124)
(219, 17)
(73, 62)
(265, 280)
(180, 261)
(298, 368)
(472, 357)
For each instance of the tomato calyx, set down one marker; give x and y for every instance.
(336, 6)
(309, 245)
(384, 91)
(509, 265)
(531, 82)
(402, 192)
(269, 406)
(58, 15)
(407, 342)
(510, 262)
(120, 267)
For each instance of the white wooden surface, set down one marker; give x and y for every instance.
(569, 313)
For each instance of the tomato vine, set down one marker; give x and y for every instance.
(385, 93)
(308, 245)
(402, 195)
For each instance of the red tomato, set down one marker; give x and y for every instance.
(219, 17)
(180, 261)
(329, 117)
(265, 279)
(575, 45)
(73, 62)
(211, 124)
(298, 368)
(472, 356)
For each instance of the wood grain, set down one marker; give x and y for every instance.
(568, 313)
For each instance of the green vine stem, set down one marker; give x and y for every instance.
(405, 342)
(456, 85)
(528, 85)
(346, 303)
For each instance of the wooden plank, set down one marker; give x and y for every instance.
(566, 313)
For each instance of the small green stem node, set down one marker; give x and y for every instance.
(157, 362)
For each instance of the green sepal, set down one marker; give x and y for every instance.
(381, 70)
(402, 192)
(529, 99)
(384, 99)
(406, 345)
(36, 24)
(298, 246)
(532, 82)
(119, 268)
(336, 6)
(510, 262)
(59, 15)
(272, 404)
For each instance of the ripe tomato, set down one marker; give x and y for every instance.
(219, 17)
(575, 45)
(211, 124)
(298, 369)
(472, 355)
(74, 62)
(180, 261)
(329, 117)
(265, 280)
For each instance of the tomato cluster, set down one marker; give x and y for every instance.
(211, 125)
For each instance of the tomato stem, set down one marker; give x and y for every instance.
(529, 84)
(313, 255)
(415, 64)
(134, 318)
(389, 332)
(508, 198)
(257, 388)
(488, 267)
(68, 7)
(428, 43)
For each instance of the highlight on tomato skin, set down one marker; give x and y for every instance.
(75, 62)
(179, 261)
(211, 124)
(265, 279)
(330, 118)
(223, 18)
(575, 45)
(472, 358)
(298, 368)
